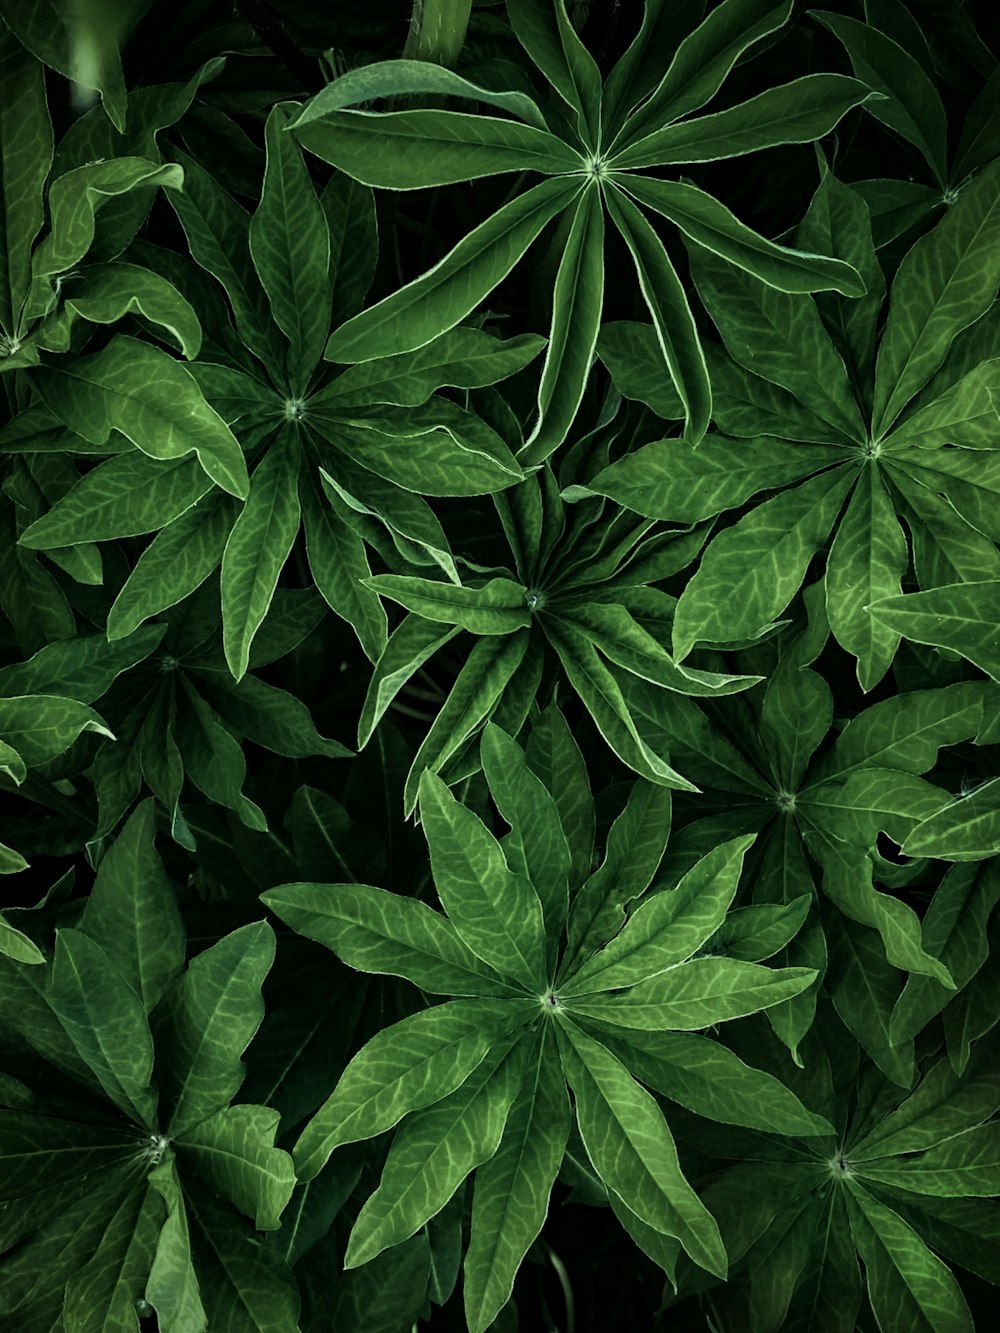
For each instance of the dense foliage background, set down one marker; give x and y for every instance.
(500, 687)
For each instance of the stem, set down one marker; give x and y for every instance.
(437, 30)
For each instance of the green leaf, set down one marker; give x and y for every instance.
(464, 358)
(536, 847)
(632, 1150)
(796, 353)
(704, 58)
(966, 830)
(290, 246)
(945, 283)
(696, 994)
(966, 1166)
(668, 927)
(105, 1021)
(432, 1153)
(175, 563)
(864, 988)
(14, 943)
(25, 159)
(707, 1078)
(152, 399)
(132, 912)
(234, 1153)
(104, 1292)
(676, 333)
(795, 112)
(377, 931)
(670, 480)
(123, 497)
(475, 695)
(74, 200)
(868, 558)
(959, 616)
(218, 235)
(496, 607)
(511, 1195)
(909, 104)
(411, 643)
(205, 1022)
(577, 301)
(603, 699)
(906, 1282)
(496, 911)
(107, 292)
(257, 548)
(172, 1288)
(445, 294)
(554, 755)
(965, 414)
(561, 57)
(751, 571)
(632, 355)
(418, 149)
(395, 78)
(404, 1067)
(41, 726)
(710, 224)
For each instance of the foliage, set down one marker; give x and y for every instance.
(499, 669)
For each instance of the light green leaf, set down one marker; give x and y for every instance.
(966, 1166)
(257, 548)
(235, 1155)
(632, 355)
(668, 927)
(132, 912)
(751, 571)
(406, 1066)
(433, 1151)
(945, 283)
(377, 931)
(152, 399)
(14, 943)
(205, 1022)
(495, 911)
(632, 1150)
(965, 414)
(536, 847)
(511, 1194)
(445, 294)
(959, 616)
